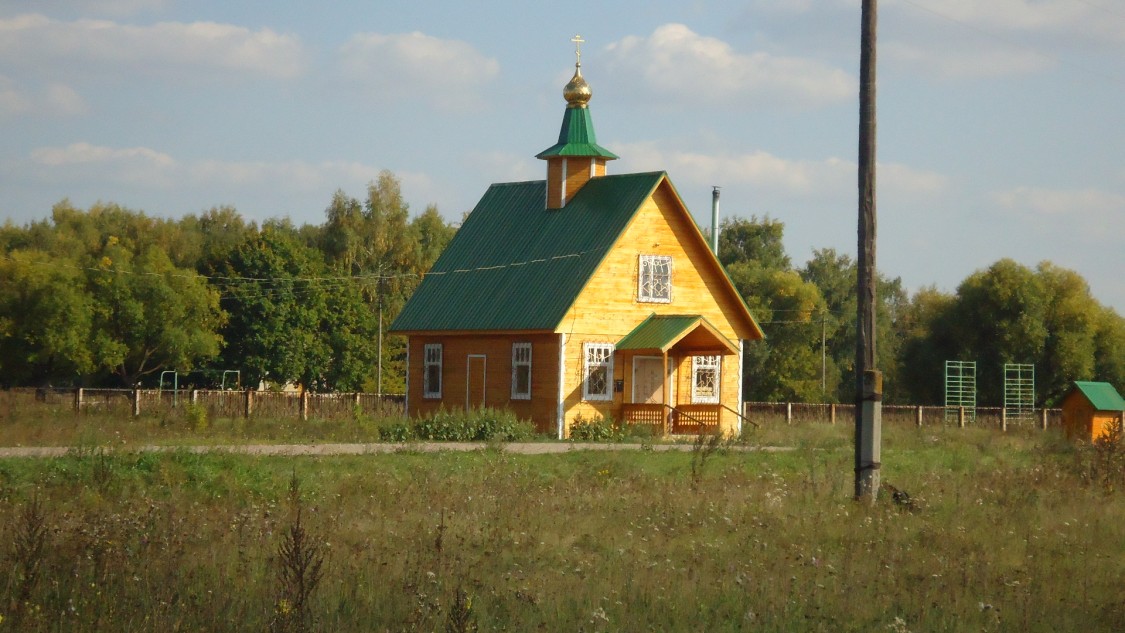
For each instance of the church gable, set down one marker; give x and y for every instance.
(659, 264)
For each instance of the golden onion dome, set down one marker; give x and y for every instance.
(577, 92)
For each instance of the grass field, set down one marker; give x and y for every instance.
(1013, 532)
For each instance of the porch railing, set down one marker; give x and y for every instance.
(685, 419)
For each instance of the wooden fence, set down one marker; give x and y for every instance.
(216, 403)
(284, 404)
(898, 415)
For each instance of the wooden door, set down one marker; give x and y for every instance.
(648, 380)
(476, 375)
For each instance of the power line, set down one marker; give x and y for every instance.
(310, 279)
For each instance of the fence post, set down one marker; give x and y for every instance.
(1004, 420)
(78, 400)
(961, 417)
(918, 416)
(248, 407)
(136, 403)
(832, 413)
(194, 397)
(789, 413)
(1043, 418)
(304, 406)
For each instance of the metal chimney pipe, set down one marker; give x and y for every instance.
(715, 219)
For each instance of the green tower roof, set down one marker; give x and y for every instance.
(576, 138)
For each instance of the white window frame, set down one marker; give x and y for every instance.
(596, 356)
(521, 358)
(431, 357)
(647, 270)
(700, 364)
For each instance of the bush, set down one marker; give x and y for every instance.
(596, 430)
(399, 431)
(482, 425)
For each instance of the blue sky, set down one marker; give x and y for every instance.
(1001, 130)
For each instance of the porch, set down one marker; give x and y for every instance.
(673, 376)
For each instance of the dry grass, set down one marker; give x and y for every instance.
(1011, 535)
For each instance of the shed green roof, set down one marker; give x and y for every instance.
(1101, 395)
(515, 265)
(576, 138)
(662, 332)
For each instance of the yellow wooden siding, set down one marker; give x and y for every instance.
(1080, 420)
(497, 349)
(1101, 422)
(554, 177)
(577, 174)
(607, 309)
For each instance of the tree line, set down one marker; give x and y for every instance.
(1006, 313)
(109, 296)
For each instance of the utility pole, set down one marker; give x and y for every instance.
(379, 351)
(869, 380)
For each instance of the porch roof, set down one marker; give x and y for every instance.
(687, 332)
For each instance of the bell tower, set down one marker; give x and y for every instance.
(577, 157)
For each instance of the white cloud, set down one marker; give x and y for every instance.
(85, 153)
(1082, 216)
(85, 162)
(55, 99)
(498, 166)
(970, 38)
(294, 175)
(445, 73)
(152, 169)
(86, 7)
(40, 42)
(1036, 16)
(1069, 203)
(970, 61)
(677, 65)
(1095, 214)
(763, 171)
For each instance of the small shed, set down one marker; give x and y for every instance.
(1089, 408)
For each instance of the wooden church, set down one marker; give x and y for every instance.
(581, 296)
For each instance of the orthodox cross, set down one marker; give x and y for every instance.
(577, 39)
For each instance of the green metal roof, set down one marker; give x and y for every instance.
(662, 332)
(1102, 395)
(576, 138)
(515, 265)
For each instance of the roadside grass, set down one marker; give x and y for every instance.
(1008, 535)
(183, 427)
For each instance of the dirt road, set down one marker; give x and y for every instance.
(528, 448)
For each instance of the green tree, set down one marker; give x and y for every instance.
(835, 275)
(115, 303)
(929, 339)
(742, 240)
(1009, 313)
(149, 315)
(999, 318)
(1109, 341)
(275, 307)
(45, 320)
(377, 244)
(1069, 349)
(786, 366)
(291, 319)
